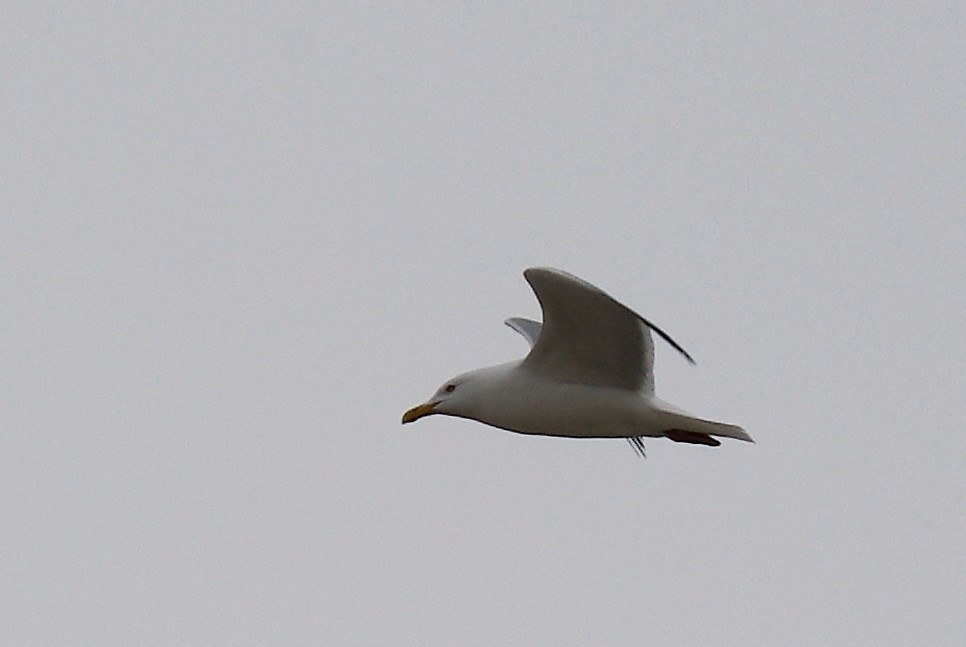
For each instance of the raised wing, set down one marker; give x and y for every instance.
(529, 328)
(587, 337)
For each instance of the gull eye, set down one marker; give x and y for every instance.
(450, 388)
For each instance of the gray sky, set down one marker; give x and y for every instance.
(237, 244)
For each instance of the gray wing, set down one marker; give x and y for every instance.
(587, 337)
(529, 328)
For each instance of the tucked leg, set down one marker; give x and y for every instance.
(693, 437)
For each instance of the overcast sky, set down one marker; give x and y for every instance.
(237, 243)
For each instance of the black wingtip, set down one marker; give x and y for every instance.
(637, 443)
(666, 337)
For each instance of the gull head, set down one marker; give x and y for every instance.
(461, 396)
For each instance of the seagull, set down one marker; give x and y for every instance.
(589, 374)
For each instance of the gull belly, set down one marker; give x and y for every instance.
(529, 404)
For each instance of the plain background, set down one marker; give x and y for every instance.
(238, 241)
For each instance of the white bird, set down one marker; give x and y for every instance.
(589, 374)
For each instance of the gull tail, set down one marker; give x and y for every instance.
(684, 428)
(701, 432)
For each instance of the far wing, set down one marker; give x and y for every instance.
(529, 328)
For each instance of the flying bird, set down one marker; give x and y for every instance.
(589, 374)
